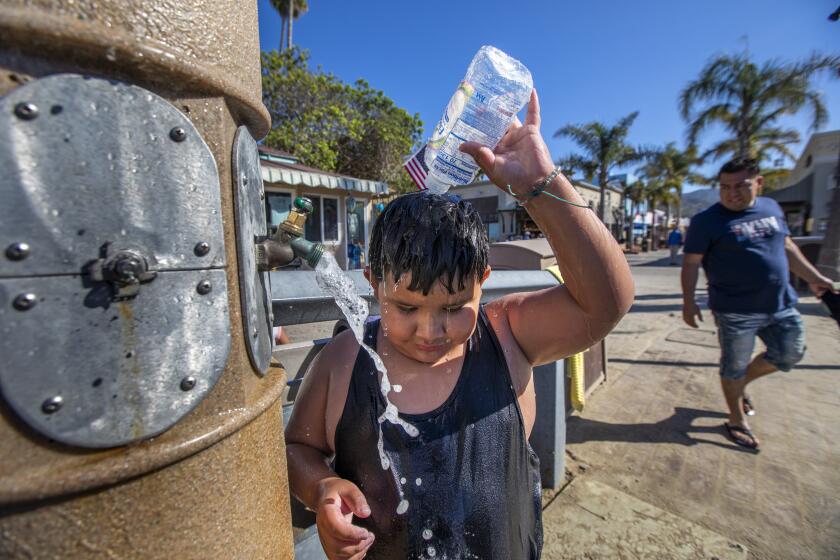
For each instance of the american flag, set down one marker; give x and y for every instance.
(417, 170)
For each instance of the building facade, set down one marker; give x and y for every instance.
(506, 220)
(808, 191)
(343, 206)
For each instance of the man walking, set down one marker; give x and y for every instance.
(745, 248)
(675, 240)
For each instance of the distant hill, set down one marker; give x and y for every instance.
(697, 201)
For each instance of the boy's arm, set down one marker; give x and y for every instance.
(308, 448)
(598, 290)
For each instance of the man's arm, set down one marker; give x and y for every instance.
(800, 266)
(688, 278)
(598, 290)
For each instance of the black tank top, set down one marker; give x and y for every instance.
(470, 477)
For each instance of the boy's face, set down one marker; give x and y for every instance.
(426, 328)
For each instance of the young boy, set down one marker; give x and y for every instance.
(469, 479)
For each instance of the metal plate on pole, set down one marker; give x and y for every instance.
(114, 319)
(254, 286)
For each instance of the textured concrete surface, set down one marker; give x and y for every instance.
(595, 521)
(654, 431)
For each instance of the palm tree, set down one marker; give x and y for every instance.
(635, 192)
(655, 191)
(605, 148)
(289, 10)
(748, 101)
(674, 168)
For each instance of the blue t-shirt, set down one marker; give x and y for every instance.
(674, 238)
(744, 257)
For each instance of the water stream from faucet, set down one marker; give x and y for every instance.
(334, 281)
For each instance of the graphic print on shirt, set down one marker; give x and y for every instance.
(761, 228)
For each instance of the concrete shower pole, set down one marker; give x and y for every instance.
(214, 485)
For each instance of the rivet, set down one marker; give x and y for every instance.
(188, 383)
(178, 134)
(26, 111)
(255, 333)
(202, 248)
(25, 302)
(52, 404)
(204, 287)
(17, 251)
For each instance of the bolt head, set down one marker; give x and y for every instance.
(178, 134)
(25, 302)
(17, 251)
(26, 111)
(188, 383)
(52, 404)
(202, 248)
(204, 287)
(128, 267)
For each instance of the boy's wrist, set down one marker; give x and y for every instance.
(540, 180)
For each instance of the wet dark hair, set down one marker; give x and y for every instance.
(739, 164)
(436, 238)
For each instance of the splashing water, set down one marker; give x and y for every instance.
(334, 281)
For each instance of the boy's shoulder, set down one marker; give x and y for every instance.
(339, 347)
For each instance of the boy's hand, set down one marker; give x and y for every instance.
(338, 501)
(521, 159)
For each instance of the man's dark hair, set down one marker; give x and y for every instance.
(436, 238)
(750, 165)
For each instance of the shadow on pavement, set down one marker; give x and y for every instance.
(676, 429)
(656, 308)
(648, 297)
(677, 363)
(666, 262)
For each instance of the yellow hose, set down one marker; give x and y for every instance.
(574, 364)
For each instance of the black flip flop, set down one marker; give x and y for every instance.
(732, 430)
(748, 406)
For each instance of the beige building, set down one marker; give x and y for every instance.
(343, 206)
(505, 219)
(806, 196)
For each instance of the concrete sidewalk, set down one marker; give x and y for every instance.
(655, 475)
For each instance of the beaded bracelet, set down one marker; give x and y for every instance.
(539, 189)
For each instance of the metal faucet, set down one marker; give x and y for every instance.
(288, 242)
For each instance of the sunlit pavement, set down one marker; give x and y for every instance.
(655, 475)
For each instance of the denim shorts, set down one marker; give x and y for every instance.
(782, 332)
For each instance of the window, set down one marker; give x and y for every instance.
(277, 207)
(322, 224)
(312, 230)
(487, 207)
(330, 219)
(356, 236)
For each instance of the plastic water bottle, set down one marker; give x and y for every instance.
(494, 90)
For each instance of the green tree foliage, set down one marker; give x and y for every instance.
(604, 149)
(350, 129)
(748, 100)
(672, 168)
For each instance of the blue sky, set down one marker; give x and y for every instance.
(592, 60)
